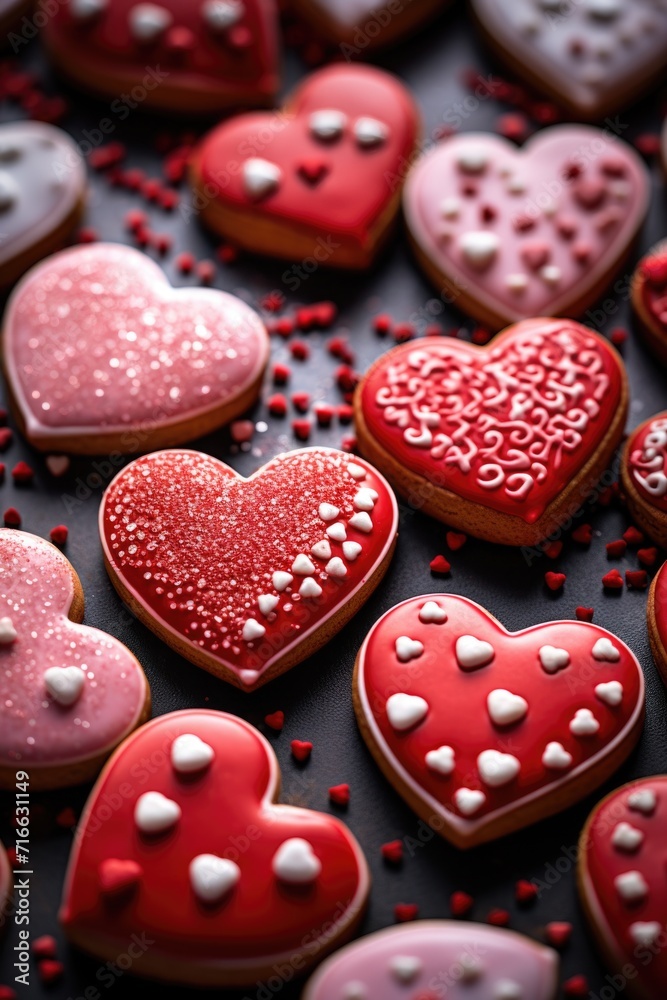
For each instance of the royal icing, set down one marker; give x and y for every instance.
(265, 526)
(228, 895)
(514, 733)
(658, 602)
(647, 461)
(506, 426)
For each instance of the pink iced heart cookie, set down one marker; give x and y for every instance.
(621, 879)
(278, 562)
(70, 693)
(224, 903)
(513, 233)
(197, 56)
(318, 182)
(649, 299)
(644, 476)
(593, 56)
(102, 354)
(485, 731)
(438, 958)
(502, 441)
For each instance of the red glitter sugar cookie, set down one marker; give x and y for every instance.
(198, 56)
(649, 300)
(361, 26)
(320, 180)
(484, 731)
(103, 355)
(247, 577)
(224, 903)
(622, 887)
(502, 441)
(438, 958)
(656, 614)
(70, 693)
(42, 192)
(513, 233)
(644, 476)
(593, 56)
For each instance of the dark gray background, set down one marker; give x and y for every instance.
(316, 695)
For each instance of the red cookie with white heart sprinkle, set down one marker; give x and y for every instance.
(222, 903)
(361, 26)
(644, 476)
(593, 56)
(199, 56)
(485, 731)
(70, 693)
(247, 577)
(513, 233)
(103, 355)
(656, 615)
(649, 300)
(621, 878)
(501, 441)
(318, 182)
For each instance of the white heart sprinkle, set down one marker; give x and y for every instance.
(472, 652)
(471, 968)
(473, 159)
(351, 550)
(405, 711)
(82, 10)
(441, 760)
(321, 550)
(155, 813)
(148, 21)
(627, 837)
(505, 707)
(405, 968)
(584, 723)
(550, 274)
(281, 580)
(517, 283)
(610, 693)
(479, 248)
(303, 566)
(432, 613)
(310, 588)
(260, 178)
(370, 131)
(328, 512)
(361, 522)
(644, 800)
(356, 471)
(327, 124)
(604, 9)
(64, 684)
(296, 862)
(496, 768)
(354, 990)
(190, 754)
(645, 933)
(337, 532)
(556, 757)
(8, 633)
(604, 649)
(336, 567)
(212, 877)
(365, 499)
(248, 677)
(507, 989)
(450, 208)
(222, 14)
(252, 630)
(408, 649)
(266, 603)
(469, 800)
(553, 659)
(631, 886)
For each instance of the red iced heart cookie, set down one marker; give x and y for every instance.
(644, 476)
(485, 731)
(649, 299)
(501, 441)
(622, 884)
(70, 693)
(102, 354)
(593, 56)
(656, 613)
(360, 26)
(439, 958)
(514, 233)
(223, 903)
(42, 190)
(179, 55)
(247, 577)
(250, 185)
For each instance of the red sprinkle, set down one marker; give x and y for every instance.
(647, 557)
(558, 933)
(227, 254)
(636, 579)
(277, 404)
(460, 903)
(301, 749)
(499, 918)
(324, 413)
(339, 348)
(633, 536)
(525, 892)
(404, 912)
(58, 535)
(403, 332)
(513, 126)
(281, 373)
(301, 401)
(612, 580)
(553, 550)
(393, 851)
(616, 549)
(554, 581)
(345, 413)
(87, 235)
(12, 518)
(276, 720)
(273, 301)
(583, 534)
(45, 947)
(66, 818)
(456, 540)
(648, 144)
(480, 336)
(618, 336)
(340, 794)
(299, 350)
(206, 271)
(346, 378)
(584, 614)
(383, 324)
(22, 473)
(440, 565)
(50, 971)
(577, 986)
(185, 262)
(6, 436)
(284, 327)
(135, 219)
(302, 429)
(7, 993)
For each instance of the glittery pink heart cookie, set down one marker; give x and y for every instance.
(485, 731)
(622, 886)
(197, 856)
(512, 233)
(247, 577)
(70, 693)
(438, 958)
(102, 354)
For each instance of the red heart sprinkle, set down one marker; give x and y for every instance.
(58, 535)
(393, 851)
(558, 933)
(456, 540)
(22, 473)
(276, 720)
(554, 581)
(583, 534)
(50, 971)
(647, 557)
(498, 918)
(404, 912)
(633, 536)
(461, 903)
(577, 986)
(612, 580)
(636, 578)
(525, 892)
(340, 794)
(584, 614)
(45, 947)
(301, 749)
(118, 875)
(616, 549)
(440, 565)
(6, 436)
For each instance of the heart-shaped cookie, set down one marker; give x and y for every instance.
(221, 903)
(197, 56)
(247, 577)
(510, 233)
(644, 476)
(438, 958)
(593, 56)
(70, 693)
(318, 182)
(102, 354)
(502, 441)
(488, 731)
(621, 879)
(656, 614)
(649, 299)
(360, 26)
(42, 190)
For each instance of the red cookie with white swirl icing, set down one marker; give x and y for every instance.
(199, 56)
(644, 476)
(225, 902)
(318, 182)
(485, 731)
(621, 878)
(247, 577)
(438, 958)
(500, 441)
(649, 300)
(513, 233)
(103, 355)
(70, 693)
